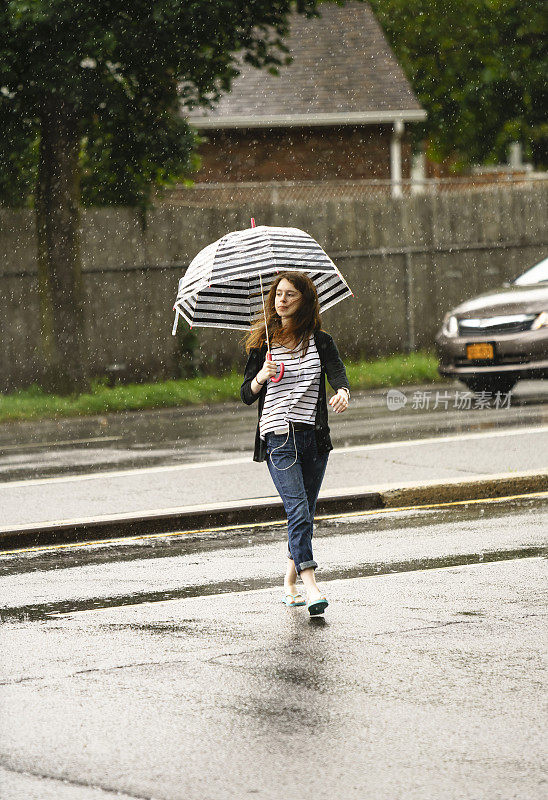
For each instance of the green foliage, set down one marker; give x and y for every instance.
(126, 153)
(18, 156)
(125, 69)
(479, 68)
(188, 351)
(397, 370)
(34, 403)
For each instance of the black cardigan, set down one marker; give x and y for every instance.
(332, 366)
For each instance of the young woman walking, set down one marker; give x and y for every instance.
(292, 433)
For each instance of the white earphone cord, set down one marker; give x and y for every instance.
(282, 469)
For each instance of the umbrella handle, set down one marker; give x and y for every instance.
(282, 368)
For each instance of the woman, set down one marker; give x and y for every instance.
(292, 433)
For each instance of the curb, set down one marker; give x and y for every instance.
(187, 518)
(268, 509)
(460, 490)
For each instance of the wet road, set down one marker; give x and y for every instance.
(78, 446)
(62, 470)
(168, 668)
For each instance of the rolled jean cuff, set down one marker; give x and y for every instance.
(307, 565)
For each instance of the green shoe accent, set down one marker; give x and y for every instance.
(318, 606)
(293, 600)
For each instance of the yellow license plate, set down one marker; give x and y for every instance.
(479, 350)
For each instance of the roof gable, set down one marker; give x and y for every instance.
(343, 69)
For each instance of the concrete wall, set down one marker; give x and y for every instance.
(408, 261)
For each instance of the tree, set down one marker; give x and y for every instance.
(103, 81)
(479, 69)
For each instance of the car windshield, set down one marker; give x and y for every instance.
(537, 274)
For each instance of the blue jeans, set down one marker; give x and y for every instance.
(298, 485)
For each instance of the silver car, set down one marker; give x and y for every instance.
(493, 340)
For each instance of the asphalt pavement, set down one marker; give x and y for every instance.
(168, 467)
(168, 668)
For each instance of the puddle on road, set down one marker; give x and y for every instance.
(50, 611)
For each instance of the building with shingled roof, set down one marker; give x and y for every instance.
(337, 112)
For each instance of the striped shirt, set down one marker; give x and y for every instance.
(295, 396)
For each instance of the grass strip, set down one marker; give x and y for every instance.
(33, 403)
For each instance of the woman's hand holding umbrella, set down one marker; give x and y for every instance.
(268, 370)
(282, 369)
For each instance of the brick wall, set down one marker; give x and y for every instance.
(299, 154)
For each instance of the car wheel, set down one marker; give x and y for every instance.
(491, 383)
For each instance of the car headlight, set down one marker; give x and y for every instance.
(450, 325)
(541, 321)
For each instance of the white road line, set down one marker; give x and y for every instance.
(227, 462)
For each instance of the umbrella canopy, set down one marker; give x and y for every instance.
(223, 286)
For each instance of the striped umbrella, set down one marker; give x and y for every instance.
(225, 284)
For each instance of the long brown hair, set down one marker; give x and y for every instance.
(305, 321)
